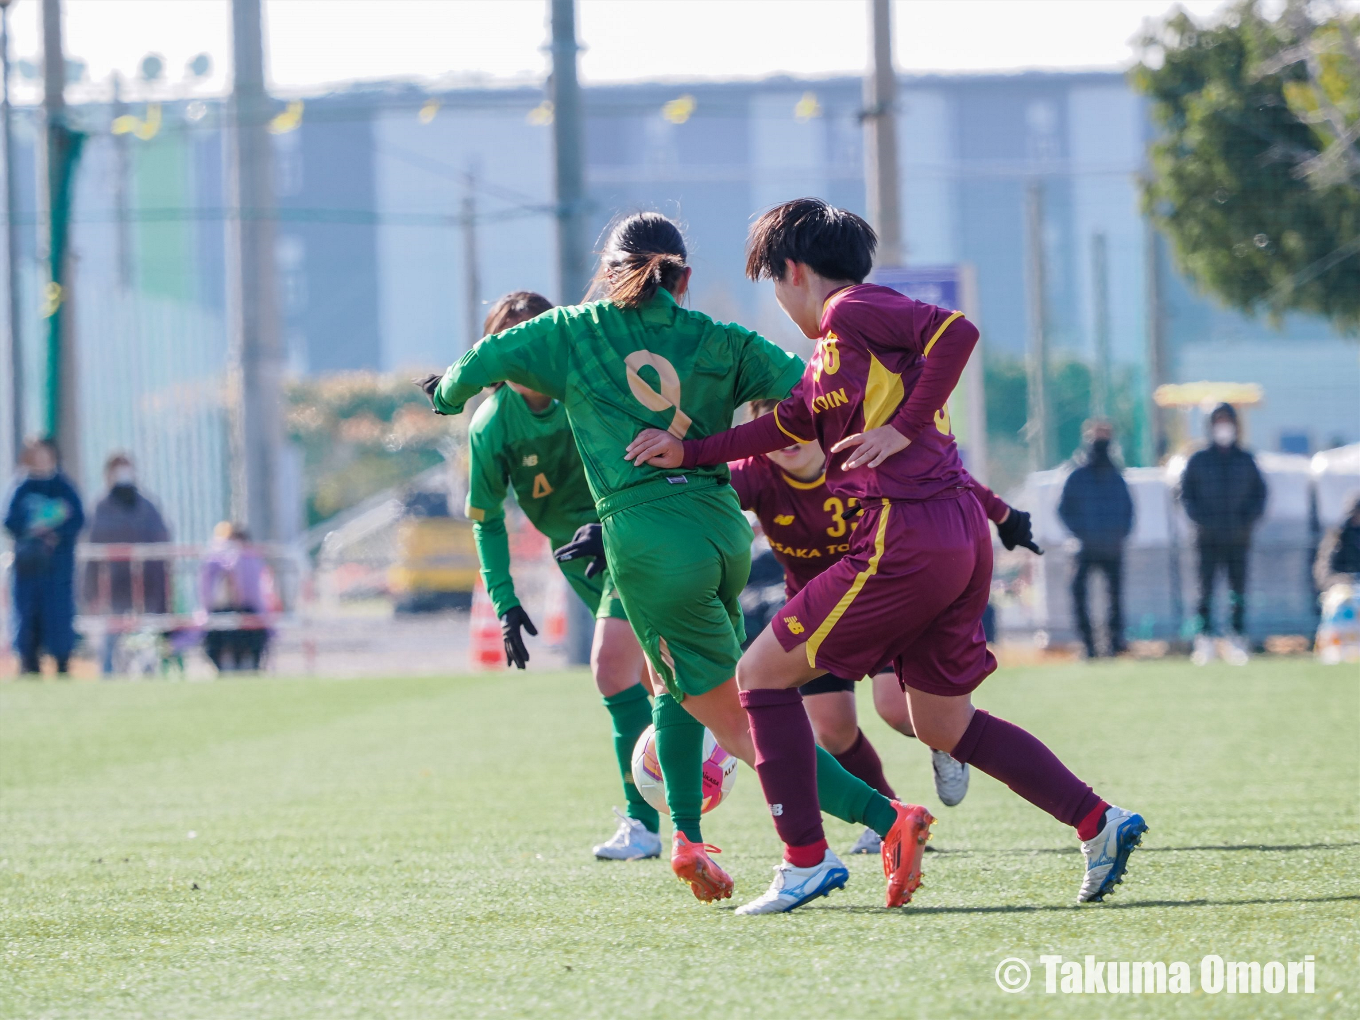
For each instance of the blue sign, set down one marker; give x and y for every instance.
(935, 285)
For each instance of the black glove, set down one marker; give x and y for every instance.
(515, 653)
(588, 541)
(430, 383)
(1015, 530)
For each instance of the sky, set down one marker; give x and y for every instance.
(312, 44)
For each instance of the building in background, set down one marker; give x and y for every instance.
(373, 187)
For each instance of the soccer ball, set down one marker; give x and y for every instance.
(720, 772)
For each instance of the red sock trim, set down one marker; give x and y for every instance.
(1089, 826)
(806, 856)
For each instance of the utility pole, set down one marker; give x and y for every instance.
(573, 270)
(14, 336)
(1100, 293)
(256, 358)
(122, 173)
(880, 139)
(1156, 441)
(1036, 360)
(63, 149)
(472, 284)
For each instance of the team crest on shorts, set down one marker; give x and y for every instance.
(794, 626)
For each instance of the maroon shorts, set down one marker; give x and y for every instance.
(910, 593)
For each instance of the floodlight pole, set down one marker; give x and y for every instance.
(472, 283)
(62, 151)
(256, 374)
(880, 137)
(568, 157)
(1100, 291)
(573, 248)
(15, 361)
(1036, 361)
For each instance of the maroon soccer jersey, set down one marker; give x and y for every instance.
(804, 522)
(883, 359)
(807, 525)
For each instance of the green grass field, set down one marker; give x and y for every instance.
(390, 848)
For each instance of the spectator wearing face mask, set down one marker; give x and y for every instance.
(1224, 494)
(1098, 510)
(44, 516)
(125, 515)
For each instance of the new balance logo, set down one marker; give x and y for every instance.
(531, 460)
(776, 809)
(784, 519)
(794, 626)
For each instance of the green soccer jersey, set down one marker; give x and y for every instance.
(620, 370)
(533, 453)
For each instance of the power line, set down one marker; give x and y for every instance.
(354, 217)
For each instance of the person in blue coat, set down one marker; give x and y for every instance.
(44, 517)
(1098, 510)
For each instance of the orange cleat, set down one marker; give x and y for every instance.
(691, 863)
(903, 847)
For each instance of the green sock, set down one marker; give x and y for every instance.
(680, 750)
(631, 712)
(851, 799)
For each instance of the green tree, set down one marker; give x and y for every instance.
(1254, 175)
(361, 433)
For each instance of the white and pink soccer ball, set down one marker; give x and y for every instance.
(720, 772)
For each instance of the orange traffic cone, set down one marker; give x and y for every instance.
(485, 648)
(555, 622)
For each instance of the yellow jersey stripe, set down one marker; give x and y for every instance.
(819, 635)
(943, 327)
(796, 439)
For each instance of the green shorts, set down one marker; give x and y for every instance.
(680, 563)
(598, 592)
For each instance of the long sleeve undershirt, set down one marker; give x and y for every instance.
(943, 368)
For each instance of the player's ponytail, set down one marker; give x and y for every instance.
(644, 252)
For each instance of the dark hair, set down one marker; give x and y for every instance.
(835, 243)
(644, 252)
(512, 309)
(1225, 412)
(762, 407)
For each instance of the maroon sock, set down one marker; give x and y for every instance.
(862, 762)
(1020, 760)
(786, 762)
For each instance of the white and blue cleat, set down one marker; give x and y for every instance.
(632, 842)
(1107, 854)
(792, 887)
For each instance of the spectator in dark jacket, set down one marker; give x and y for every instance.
(1098, 510)
(1224, 494)
(1338, 557)
(44, 516)
(125, 515)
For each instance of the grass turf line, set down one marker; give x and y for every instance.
(420, 847)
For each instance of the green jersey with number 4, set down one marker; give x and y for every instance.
(621, 370)
(532, 452)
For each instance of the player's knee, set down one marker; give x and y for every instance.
(835, 736)
(893, 711)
